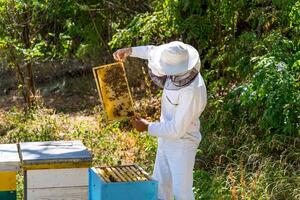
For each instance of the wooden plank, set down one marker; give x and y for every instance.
(123, 178)
(66, 193)
(135, 172)
(57, 178)
(146, 190)
(9, 157)
(129, 172)
(140, 176)
(95, 184)
(57, 165)
(110, 172)
(54, 152)
(143, 172)
(124, 174)
(7, 181)
(8, 195)
(103, 175)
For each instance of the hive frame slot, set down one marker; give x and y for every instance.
(113, 175)
(130, 173)
(135, 173)
(103, 175)
(123, 179)
(143, 172)
(138, 173)
(125, 175)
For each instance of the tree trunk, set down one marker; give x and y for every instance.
(20, 74)
(30, 96)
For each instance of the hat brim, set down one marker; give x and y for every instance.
(155, 57)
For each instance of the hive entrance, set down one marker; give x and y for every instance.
(126, 173)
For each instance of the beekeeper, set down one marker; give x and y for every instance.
(175, 67)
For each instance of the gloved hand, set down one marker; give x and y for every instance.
(140, 124)
(122, 54)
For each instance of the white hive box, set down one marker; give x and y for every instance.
(9, 165)
(55, 170)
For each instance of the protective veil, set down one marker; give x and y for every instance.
(177, 131)
(177, 82)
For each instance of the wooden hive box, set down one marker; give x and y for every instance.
(128, 182)
(55, 170)
(9, 165)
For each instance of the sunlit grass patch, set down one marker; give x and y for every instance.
(110, 143)
(239, 165)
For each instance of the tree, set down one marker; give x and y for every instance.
(33, 31)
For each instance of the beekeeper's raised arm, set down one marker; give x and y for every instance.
(138, 52)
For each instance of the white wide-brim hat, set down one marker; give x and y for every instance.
(173, 58)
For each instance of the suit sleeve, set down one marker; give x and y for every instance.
(177, 127)
(140, 52)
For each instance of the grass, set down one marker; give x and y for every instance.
(244, 173)
(231, 165)
(111, 144)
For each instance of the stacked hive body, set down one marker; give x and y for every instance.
(128, 182)
(9, 165)
(55, 170)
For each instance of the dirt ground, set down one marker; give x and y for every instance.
(79, 95)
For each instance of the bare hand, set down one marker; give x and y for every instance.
(140, 124)
(122, 54)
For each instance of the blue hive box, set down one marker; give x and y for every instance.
(127, 182)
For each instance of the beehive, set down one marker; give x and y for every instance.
(9, 165)
(113, 90)
(128, 182)
(55, 170)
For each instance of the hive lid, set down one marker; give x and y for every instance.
(55, 154)
(9, 157)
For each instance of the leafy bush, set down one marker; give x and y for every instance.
(148, 27)
(250, 56)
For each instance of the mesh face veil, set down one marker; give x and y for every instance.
(158, 80)
(174, 82)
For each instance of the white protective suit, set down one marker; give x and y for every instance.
(178, 135)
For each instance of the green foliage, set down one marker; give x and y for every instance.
(269, 96)
(210, 186)
(62, 29)
(294, 18)
(273, 87)
(250, 61)
(148, 27)
(250, 56)
(28, 128)
(111, 144)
